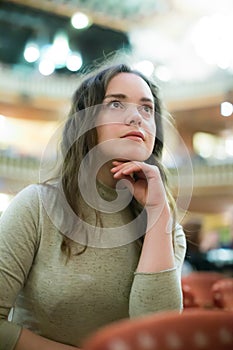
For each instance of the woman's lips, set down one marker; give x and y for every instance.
(135, 136)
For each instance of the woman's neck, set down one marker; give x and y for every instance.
(105, 176)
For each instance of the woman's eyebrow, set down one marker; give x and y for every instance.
(146, 99)
(122, 97)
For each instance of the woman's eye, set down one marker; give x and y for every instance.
(115, 104)
(147, 109)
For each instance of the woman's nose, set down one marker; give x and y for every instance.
(133, 116)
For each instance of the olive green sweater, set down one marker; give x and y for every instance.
(67, 301)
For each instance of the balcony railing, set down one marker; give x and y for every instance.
(26, 170)
(203, 175)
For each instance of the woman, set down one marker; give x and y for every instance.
(100, 243)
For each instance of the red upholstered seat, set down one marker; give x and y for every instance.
(192, 330)
(197, 288)
(222, 291)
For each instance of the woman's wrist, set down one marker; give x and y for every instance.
(159, 215)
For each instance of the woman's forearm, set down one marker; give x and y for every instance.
(31, 341)
(157, 251)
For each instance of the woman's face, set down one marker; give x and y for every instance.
(125, 125)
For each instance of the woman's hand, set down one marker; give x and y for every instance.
(147, 185)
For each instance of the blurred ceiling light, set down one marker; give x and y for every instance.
(54, 55)
(224, 63)
(204, 144)
(208, 145)
(2, 127)
(229, 146)
(4, 201)
(79, 20)
(220, 150)
(226, 109)
(46, 67)
(74, 62)
(163, 73)
(60, 49)
(212, 37)
(145, 67)
(31, 52)
(2, 120)
(8, 131)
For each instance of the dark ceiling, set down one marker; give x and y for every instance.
(18, 24)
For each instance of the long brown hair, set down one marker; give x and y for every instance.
(76, 144)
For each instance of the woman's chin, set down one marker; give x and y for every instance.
(126, 156)
(134, 152)
(125, 151)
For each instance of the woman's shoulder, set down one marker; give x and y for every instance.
(24, 206)
(27, 194)
(33, 192)
(28, 198)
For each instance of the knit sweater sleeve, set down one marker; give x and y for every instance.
(18, 245)
(160, 291)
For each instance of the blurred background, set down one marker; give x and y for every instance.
(184, 45)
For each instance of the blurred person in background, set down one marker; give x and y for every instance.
(197, 247)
